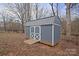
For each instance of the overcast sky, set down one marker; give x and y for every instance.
(61, 7)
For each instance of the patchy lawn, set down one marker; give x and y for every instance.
(13, 44)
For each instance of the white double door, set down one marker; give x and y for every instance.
(35, 32)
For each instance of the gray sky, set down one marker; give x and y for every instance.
(44, 5)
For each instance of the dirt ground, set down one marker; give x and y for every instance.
(12, 44)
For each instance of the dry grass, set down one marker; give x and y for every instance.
(13, 44)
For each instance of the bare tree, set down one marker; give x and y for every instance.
(51, 4)
(57, 9)
(68, 17)
(36, 10)
(3, 15)
(20, 10)
(42, 12)
(28, 11)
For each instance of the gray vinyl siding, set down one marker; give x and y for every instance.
(50, 30)
(56, 34)
(28, 31)
(46, 33)
(57, 20)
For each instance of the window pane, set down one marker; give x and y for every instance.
(36, 29)
(32, 29)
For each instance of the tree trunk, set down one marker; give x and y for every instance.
(53, 10)
(29, 12)
(57, 9)
(22, 25)
(4, 24)
(36, 10)
(68, 25)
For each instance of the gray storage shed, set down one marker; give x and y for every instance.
(46, 30)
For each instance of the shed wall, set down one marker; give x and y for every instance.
(50, 29)
(56, 34)
(46, 33)
(57, 20)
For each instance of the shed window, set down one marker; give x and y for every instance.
(36, 29)
(32, 29)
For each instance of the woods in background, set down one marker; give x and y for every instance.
(15, 15)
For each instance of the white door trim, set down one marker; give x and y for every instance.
(39, 32)
(35, 33)
(31, 32)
